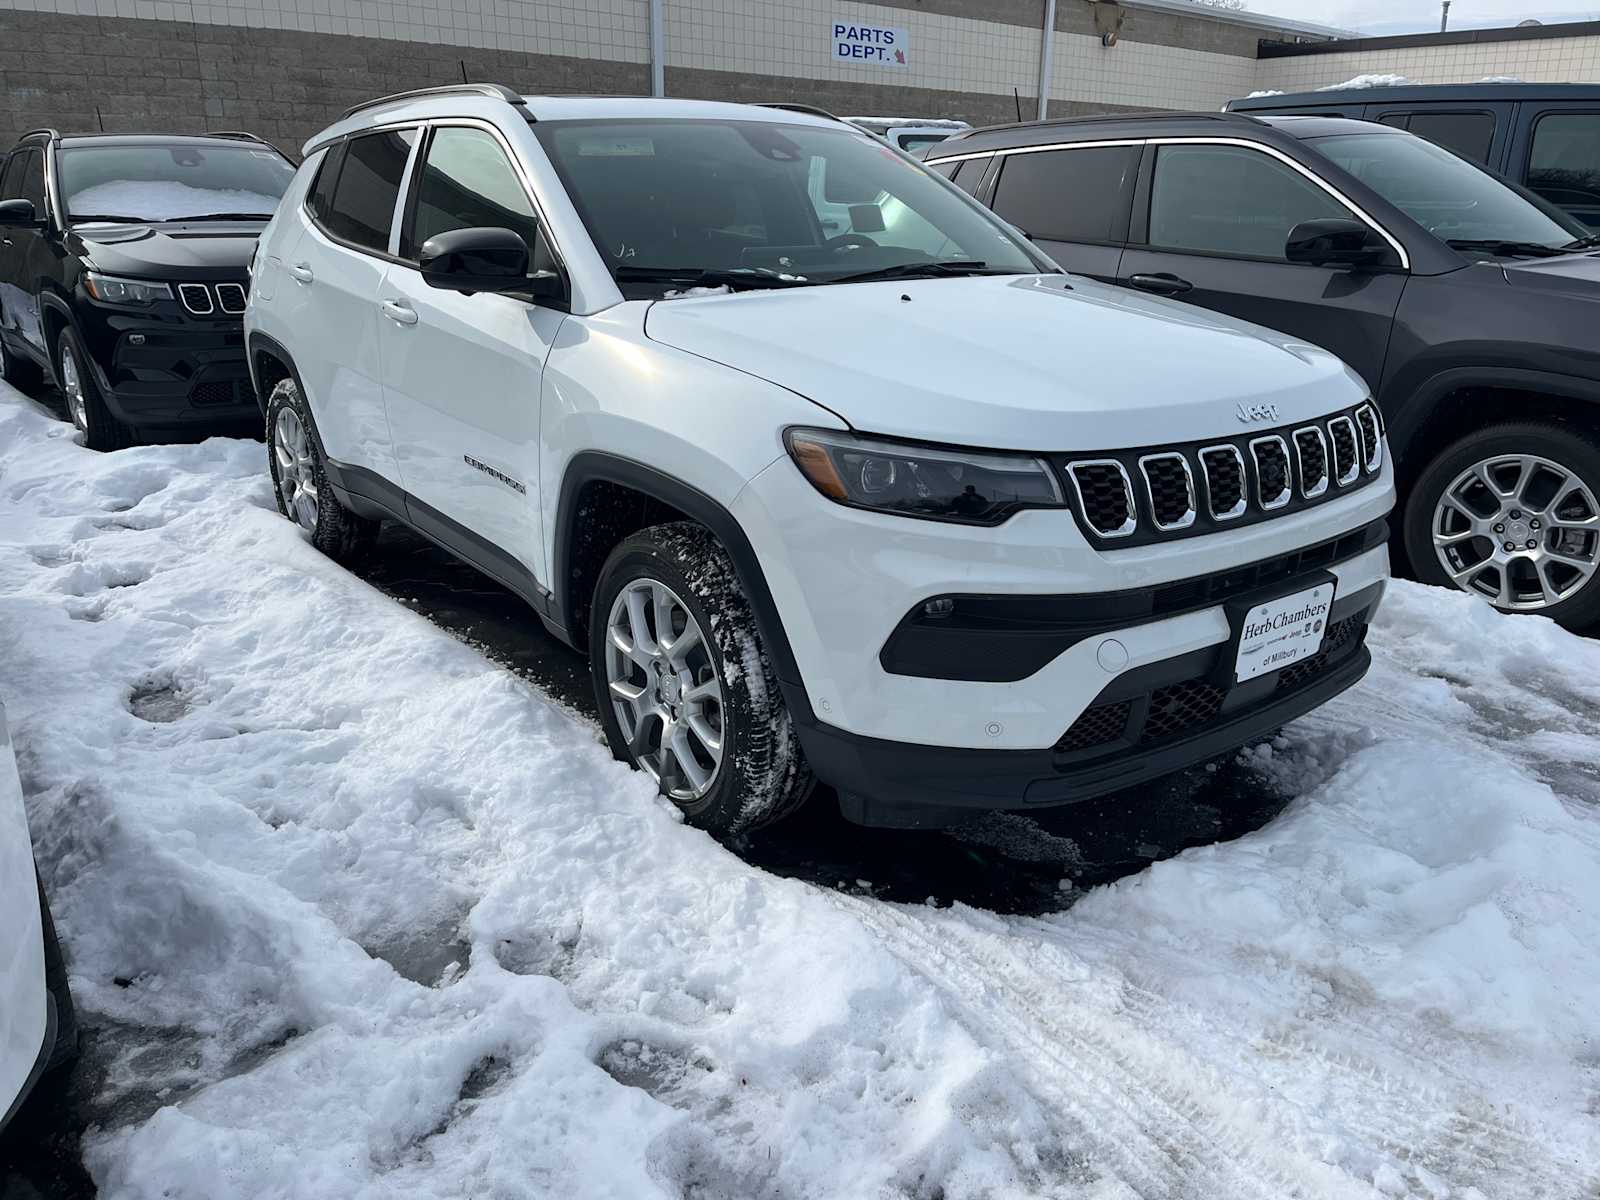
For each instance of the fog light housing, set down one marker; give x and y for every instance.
(942, 607)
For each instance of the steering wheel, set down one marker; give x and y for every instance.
(849, 241)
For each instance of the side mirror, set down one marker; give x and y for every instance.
(475, 260)
(17, 212)
(1334, 242)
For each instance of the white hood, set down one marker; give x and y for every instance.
(1044, 362)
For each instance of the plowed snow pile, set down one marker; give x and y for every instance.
(359, 914)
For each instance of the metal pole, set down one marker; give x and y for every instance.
(658, 48)
(1047, 43)
(1444, 15)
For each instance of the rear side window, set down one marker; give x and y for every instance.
(1229, 200)
(364, 197)
(319, 201)
(947, 169)
(467, 183)
(1564, 165)
(1468, 134)
(1067, 195)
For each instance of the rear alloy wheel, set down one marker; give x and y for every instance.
(85, 405)
(1512, 515)
(669, 618)
(300, 480)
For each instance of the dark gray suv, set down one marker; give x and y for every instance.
(1462, 300)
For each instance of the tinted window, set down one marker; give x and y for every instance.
(1229, 200)
(11, 177)
(33, 181)
(947, 169)
(1564, 166)
(152, 182)
(971, 174)
(1468, 134)
(468, 182)
(320, 199)
(364, 197)
(1067, 195)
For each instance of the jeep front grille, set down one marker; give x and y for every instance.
(231, 298)
(196, 298)
(1152, 493)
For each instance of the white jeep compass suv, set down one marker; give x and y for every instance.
(896, 506)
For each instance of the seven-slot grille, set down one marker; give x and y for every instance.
(1150, 494)
(207, 299)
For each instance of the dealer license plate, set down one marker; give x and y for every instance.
(1281, 632)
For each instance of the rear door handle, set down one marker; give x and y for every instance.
(302, 272)
(1162, 284)
(400, 314)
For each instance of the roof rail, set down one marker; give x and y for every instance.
(811, 110)
(53, 134)
(495, 91)
(1227, 118)
(240, 135)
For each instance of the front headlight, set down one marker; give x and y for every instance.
(973, 487)
(111, 290)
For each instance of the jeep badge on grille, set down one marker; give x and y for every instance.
(1256, 412)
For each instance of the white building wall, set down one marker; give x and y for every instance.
(1145, 75)
(1542, 60)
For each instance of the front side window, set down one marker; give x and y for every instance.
(178, 181)
(1231, 200)
(364, 196)
(1564, 165)
(814, 204)
(467, 183)
(33, 181)
(1449, 197)
(1067, 195)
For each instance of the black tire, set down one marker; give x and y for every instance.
(1576, 452)
(101, 430)
(338, 532)
(55, 978)
(762, 776)
(18, 370)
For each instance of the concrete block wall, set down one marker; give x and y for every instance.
(1542, 60)
(284, 68)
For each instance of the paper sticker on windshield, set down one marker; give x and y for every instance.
(266, 154)
(616, 147)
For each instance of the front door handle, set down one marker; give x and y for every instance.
(302, 272)
(398, 312)
(1162, 284)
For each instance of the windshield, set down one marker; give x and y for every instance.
(811, 204)
(168, 183)
(1448, 196)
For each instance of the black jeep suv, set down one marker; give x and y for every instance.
(1468, 304)
(124, 267)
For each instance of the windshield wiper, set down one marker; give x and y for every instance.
(1588, 242)
(923, 270)
(222, 217)
(75, 218)
(732, 277)
(1505, 248)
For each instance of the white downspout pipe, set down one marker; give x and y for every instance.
(1047, 43)
(658, 48)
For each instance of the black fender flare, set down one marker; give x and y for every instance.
(592, 466)
(1408, 415)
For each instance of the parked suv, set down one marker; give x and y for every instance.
(1462, 300)
(1545, 136)
(123, 270)
(915, 514)
(38, 1026)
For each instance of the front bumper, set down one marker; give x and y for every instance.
(164, 368)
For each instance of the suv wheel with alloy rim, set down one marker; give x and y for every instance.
(85, 404)
(300, 481)
(668, 618)
(1512, 514)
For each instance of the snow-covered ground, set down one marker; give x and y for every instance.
(358, 913)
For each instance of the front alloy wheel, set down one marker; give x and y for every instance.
(664, 689)
(1511, 514)
(72, 386)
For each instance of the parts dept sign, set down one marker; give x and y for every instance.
(870, 45)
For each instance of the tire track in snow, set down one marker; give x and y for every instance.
(1162, 1137)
